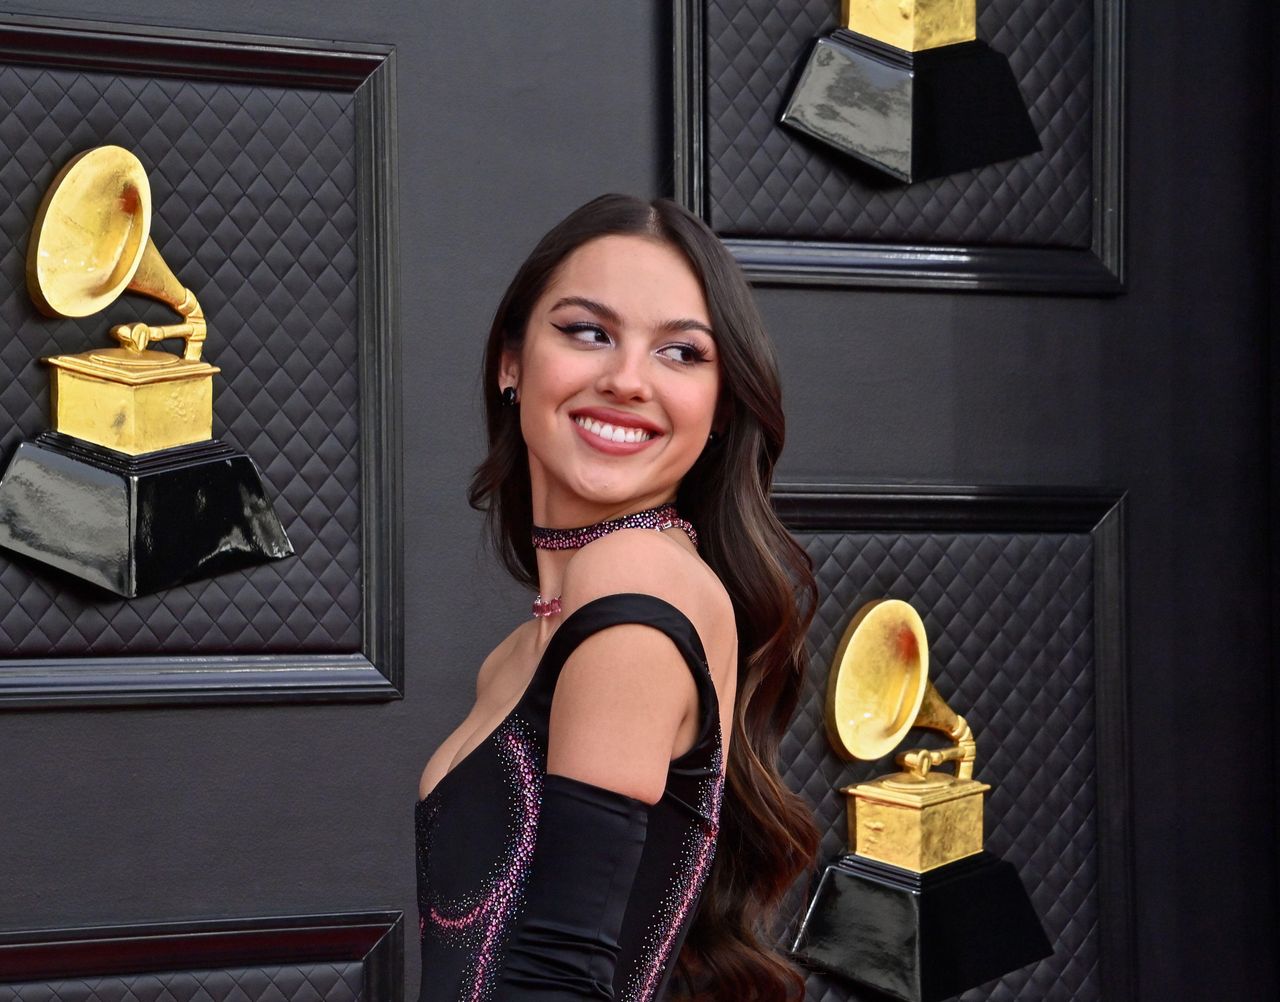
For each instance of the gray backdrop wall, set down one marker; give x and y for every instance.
(511, 114)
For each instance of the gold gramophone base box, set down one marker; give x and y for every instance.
(916, 829)
(913, 25)
(132, 402)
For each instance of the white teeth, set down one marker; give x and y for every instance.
(614, 433)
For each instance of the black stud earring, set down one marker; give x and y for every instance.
(713, 438)
(508, 396)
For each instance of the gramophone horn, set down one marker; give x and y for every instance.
(878, 680)
(879, 689)
(91, 241)
(90, 233)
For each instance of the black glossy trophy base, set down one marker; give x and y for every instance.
(914, 115)
(136, 524)
(921, 937)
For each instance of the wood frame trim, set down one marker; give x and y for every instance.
(374, 938)
(367, 72)
(1101, 515)
(1063, 271)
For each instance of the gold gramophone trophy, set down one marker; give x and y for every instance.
(917, 909)
(129, 491)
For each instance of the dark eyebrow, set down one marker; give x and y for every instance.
(677, 326)
(599, 309)
(611, 315)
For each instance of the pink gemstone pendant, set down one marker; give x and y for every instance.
(544, 607)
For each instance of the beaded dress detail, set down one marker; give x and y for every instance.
(541, 887)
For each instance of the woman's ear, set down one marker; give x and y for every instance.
(508, 369)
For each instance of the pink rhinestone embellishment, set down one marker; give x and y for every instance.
(544, 607)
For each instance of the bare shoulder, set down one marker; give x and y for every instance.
(627, 703)
(641, 560)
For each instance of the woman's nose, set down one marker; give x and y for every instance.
(625, 375)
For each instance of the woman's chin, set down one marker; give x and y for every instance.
(605, 496)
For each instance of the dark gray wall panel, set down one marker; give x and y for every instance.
(508, 118)
(767, 181)
(294, 983)
(254, 206)
(351, 957)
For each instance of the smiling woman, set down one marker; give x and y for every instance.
(610, 812)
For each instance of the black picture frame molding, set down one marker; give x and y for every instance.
(368, 72)
(1099, 513)
(374, 938)
(1096, 271)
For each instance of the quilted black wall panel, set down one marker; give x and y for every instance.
(764, 181)
(254, 192)
(1010, 619)
(311, 982)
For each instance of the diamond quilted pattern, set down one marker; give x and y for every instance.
(764, 181)
(254, 208)
(1010, 623)
(321, 982)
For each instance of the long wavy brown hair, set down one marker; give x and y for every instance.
(767, 834)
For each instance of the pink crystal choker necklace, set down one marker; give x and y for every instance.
(662, 517)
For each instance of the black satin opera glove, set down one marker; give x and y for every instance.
(565, 946)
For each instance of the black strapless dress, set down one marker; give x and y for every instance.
(538, 887)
